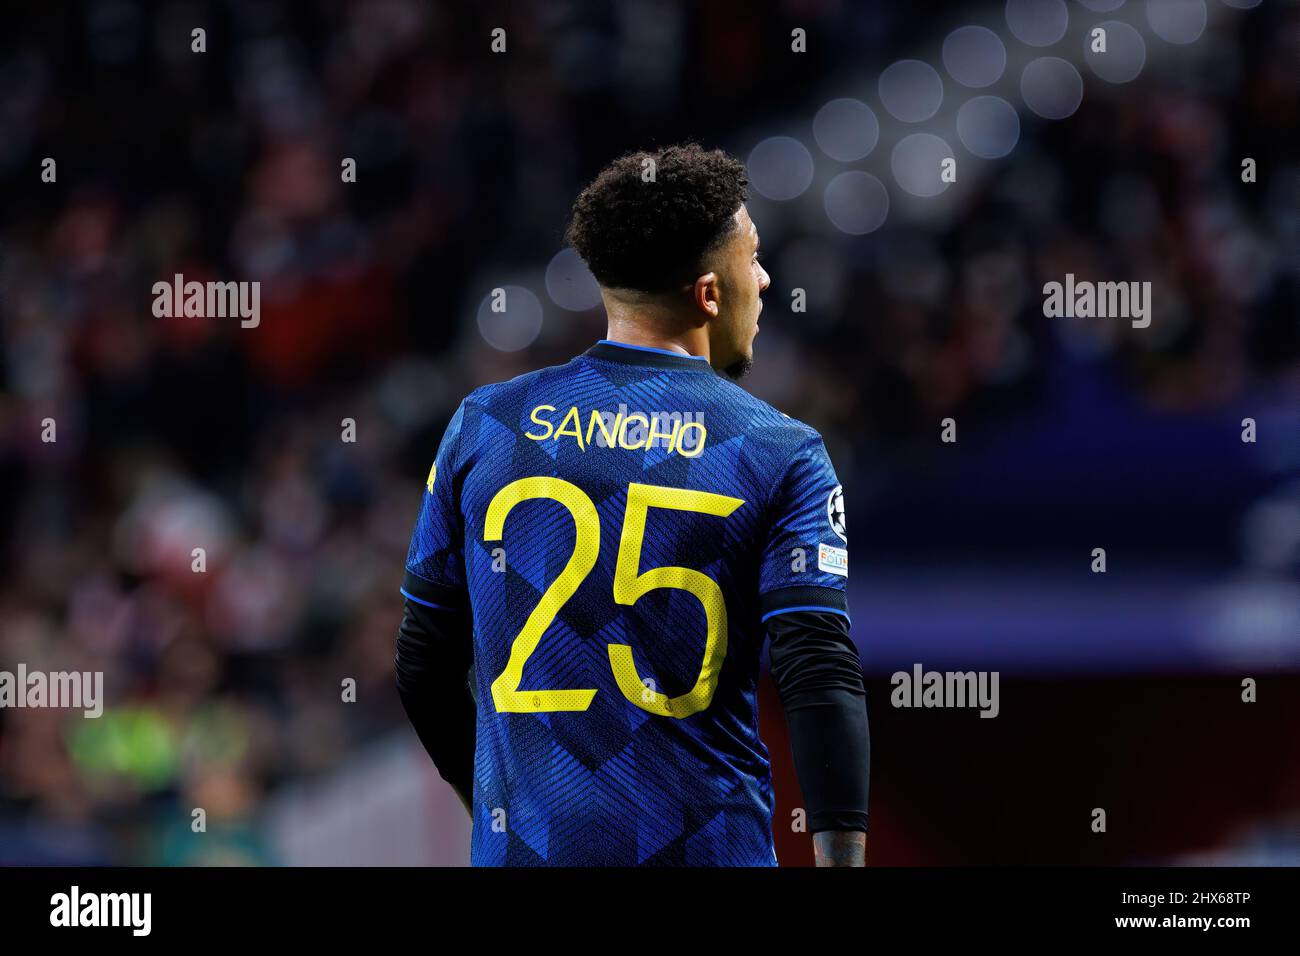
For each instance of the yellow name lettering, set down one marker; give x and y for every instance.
(538, 421)
(611, 439)
(620, 432)
(575, 431)
(699, 444)
(671, 436)
(622, 435)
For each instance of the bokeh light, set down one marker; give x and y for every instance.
(780, 167)
(974, 56)
(846, 129)
(856, 202)
(1037, 22)
(1051, 87)
(570, 283)
(988, 126)
(1125, 54)
(518, 323)
(1177, 21)
(911, 90)
(917, 162)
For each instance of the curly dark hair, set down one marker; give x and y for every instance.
(651, 236)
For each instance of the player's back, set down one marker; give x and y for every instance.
(622, 524)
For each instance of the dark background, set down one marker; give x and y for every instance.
(1119, 690)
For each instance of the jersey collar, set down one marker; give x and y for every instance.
(622, 352)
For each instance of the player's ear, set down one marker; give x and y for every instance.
(705, 294)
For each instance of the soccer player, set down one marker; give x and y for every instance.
(603, 547)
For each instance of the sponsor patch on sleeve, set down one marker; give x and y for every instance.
(833, 560)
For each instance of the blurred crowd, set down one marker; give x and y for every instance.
(174, 434)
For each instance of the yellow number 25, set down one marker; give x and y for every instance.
(629, 587)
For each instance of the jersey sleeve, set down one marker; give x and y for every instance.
(435, 562)
(805, 561)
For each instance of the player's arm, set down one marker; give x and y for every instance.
(433, 661)
(814, 663)
(435, 646)
(818, 676)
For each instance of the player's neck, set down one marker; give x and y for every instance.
(687, 341)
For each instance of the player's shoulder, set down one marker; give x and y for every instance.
(769, 421)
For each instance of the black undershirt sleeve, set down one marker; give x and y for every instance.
(435, 653)
(814, 664)
(818, 675)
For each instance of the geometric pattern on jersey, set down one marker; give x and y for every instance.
(614, 784)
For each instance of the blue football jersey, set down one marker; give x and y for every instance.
(620, 528)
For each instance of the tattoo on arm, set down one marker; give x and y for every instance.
(840, 848)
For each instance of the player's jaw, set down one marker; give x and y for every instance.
(746, 280)
(740, 366)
